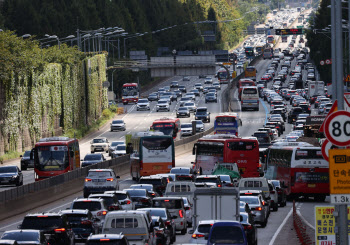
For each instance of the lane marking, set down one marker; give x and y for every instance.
(265, 108)
(281, 226)
(305, 221)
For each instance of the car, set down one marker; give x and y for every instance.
(176, 207)
(211, 97)
(113, 146)
(183, 173)
(186, 129)
(81, 222)
(183, 112)
(182, 88)
(91, 159)
(293, 114)
(183, 100)
(166, 217)
(118, 125)
(227, 180)
(178, 93)
(25, 237)
(120, 150)
(99, 181)
(189, 211)
(159, 182)
(191, 106)
(163, 105)
(281, 192)
(198, 86)
(274, 197)
(124, 199)
(199, 125)
(202, 114)
(143, 104)
(26, 162)
(259, 208)
(190, 95)
(153, 97)
(263, 137)
(208, 80)
(247, 221)
(148, 187)
(55, 226)
(167, 88)
(99, 144)
(174, 84)
(239, 65)
(202, 231)
(111, 200)
(227, 232)
(140, 197)
(11, 175)
(209, 180)
(119, 239)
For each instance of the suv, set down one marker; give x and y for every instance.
(118, 125)
(293, 114)
(99, 144)
(143, 104)
(202, 114)
(263, 137)
(163, 105)
(174, 84)
(55, 225)
(99, 181)
(81, 222)
(183, 173)
(113, 146)
(281, 191)
(176, 207)
(159, 183)
(119, 239)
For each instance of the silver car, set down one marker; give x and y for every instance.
(99, 181)
(113, 146)
(124, 199)
(191, 106)
(259, 208)
(118, 125)
(186, 129)
(163, 105)
(143, 104)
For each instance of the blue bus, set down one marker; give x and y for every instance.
(227, 123)
(249, 52)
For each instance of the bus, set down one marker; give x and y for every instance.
(270, 39)
(223, 75)
(223, 148)
(250, 72)
(168, 126)
(268, 53)
(244, 83)
(249, 52)
(300, 167)
(154, 153)
(54, 156)
(227, 123)
(130, 93)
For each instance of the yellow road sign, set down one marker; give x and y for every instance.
(339, 171)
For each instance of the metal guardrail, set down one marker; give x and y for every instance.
(159, 64)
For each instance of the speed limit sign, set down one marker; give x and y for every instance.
(337, 128)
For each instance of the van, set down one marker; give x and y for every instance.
(257, 183)
(250, 98)
(135, 225)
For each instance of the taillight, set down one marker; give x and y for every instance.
(195, 236)
(263, 202)
(110, 179)
(102, 213)
(128, 202)
(258, 208)
(143, 200)
(60, 230)
(167, 222)
(181, 214)
(87, 180)
(248, 227)
(104, 240)
(219, 185)
(86, 222)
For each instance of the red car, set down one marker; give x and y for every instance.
(266, 77)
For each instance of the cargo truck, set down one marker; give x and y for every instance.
(215, 203)
(315, 88)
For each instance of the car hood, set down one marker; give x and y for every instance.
(120, 152)
(92, 161)
(117, 124)
(7, 174)
(142, 104)
(28, 242)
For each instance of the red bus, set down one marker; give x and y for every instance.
(223, 148)
(223, 75)
(130, 93)
(270, 39)
(168, 126)
(300, 167)
(54, 156)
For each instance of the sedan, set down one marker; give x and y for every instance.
(140, 197)
(183, 112)
(259, 208)
(113, 146)
(186, 129)
(211, 97)
(11, 175)
(119, 151)
(90, 159)
(153, 97)
(191, 106)
(118, 125)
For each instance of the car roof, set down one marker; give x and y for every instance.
(101, 169)
(106, 236)
(75, 211)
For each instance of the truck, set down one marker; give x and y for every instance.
(315, 88)
(215, 203)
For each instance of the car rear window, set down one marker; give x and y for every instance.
(151, 181)
(91, 206)
(100, 174)
(250, 199)
(180, 188)
(207, 180)
(21, 236)
(121, 196)
(124, 223)
(253, 183)
(250, 91)
(41, 222)
(204, 228)
(106, 242)
(168, 203)
(227, 234)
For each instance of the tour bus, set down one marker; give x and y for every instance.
(270, 39)
(250, 72)
(130, 93)
(300, 167)
(250, 98)
(154, 153)
(168, 126)
(244, 83)
(54, 156)
(227, 123)
(249, 52)
(223, 75)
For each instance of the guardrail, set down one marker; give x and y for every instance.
(302, 229)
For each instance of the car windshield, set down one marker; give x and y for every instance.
(8, 169)
(180, 171)
(142, 101)
(92, 157)
(276, 183)
(41, 222)
(250, 200)
(21, 236)
(136, 192)
(189, 104)
(117, 121)
(162, 102)
(100, 174)
(225, 178)
(186, 125)
(121, 196)
(115, 143)
(183, 109)
(210, 94)
(98, 141)
(27, 154)
(121, 148)
(227, 234)
(158, 212)
(201, 112)
(89, 205)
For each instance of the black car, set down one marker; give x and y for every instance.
(263, 137)
(182, 88)
(26, 162)
(202, 114)
(247, 221)
(183, 112)
(153, 97)
(159, 183)
(81, 221)
(140, 197)
(293, 114)
(11, 175)
(91, 159)
(24, 237)
(305, 106)
(55, 226)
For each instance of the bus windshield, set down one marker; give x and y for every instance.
(52, 158)
(157, 143)
(165, 128)
(222, 74)
(225, 119)
(129, 91)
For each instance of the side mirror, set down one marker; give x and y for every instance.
(20, 156)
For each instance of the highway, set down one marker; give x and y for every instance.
(273, 233)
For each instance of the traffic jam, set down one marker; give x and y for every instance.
(225, 195)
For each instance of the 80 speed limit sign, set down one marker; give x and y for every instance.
(337, 128)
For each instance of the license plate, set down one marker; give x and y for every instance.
(311, 185)
(250, 104)
(157, 167)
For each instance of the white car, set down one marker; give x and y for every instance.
(163, 105)
(190, 95)
(188, 210)
(120, 150)
(202, 230)
(191, 106)
(239, 65)
(99, 144)
(114, 145)
(143, 104)
(186, 129)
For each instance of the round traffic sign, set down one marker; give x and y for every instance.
(328, 61)
(322, 62)
(326, 146)
(337, 128)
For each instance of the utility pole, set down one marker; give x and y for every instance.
(333, 48)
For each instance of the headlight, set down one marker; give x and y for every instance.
(196, 117)
(14, 176)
